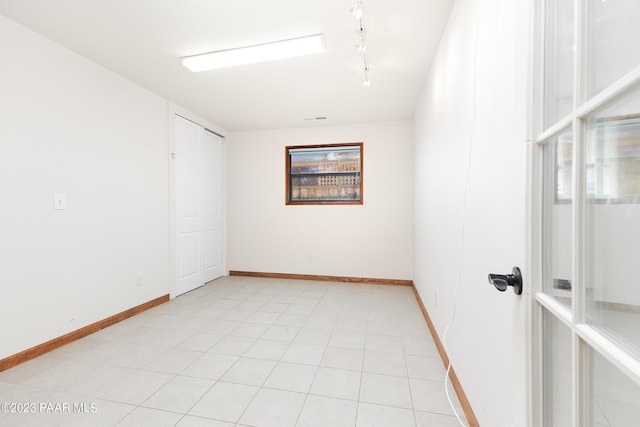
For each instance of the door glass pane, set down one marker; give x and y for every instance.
(613, 400)
(613, 34)
(613, 221)
(557, 217)
(558, 59)
(557, 370)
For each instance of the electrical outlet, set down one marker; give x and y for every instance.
(139, 279)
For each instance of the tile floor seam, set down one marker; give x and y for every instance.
(413, 406)
(306, 398)
(199, 399)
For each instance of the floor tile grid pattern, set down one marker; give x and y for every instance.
(248, 352)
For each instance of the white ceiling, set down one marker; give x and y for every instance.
(143, 41)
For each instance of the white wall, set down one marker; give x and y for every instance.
(470, 169)
(69, 126)
(372, 240)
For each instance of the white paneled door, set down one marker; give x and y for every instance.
(199, 195)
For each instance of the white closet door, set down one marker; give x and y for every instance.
(212, 240)
(199, 195)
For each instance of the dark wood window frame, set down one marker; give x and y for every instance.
(332, 172)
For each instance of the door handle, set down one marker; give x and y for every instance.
(503, 281)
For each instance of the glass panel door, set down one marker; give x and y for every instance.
(557, 383)
(558, 60)
(586, 205)
(557, 205)
(612, 398)
(613, 221)
(612, 49)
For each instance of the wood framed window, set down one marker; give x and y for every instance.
(329, 174)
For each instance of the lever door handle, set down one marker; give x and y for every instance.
(503, 281)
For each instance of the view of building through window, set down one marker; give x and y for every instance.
(324, 174)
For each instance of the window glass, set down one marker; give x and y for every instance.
(324, 174)
(613, 400)
(557, 219)
(558, 59)
(613, 221)
(557, 373)
(613, 33)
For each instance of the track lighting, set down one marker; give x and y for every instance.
(358, 13)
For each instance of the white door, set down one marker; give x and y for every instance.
(586, 211)
(212, 242)
(199, 195)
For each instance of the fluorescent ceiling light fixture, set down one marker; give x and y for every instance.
(258, 53)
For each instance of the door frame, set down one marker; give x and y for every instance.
(172, 111)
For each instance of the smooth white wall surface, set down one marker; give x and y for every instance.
(372, 240)
(470, 170)
(69, 126)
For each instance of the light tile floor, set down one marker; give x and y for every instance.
(246, 352)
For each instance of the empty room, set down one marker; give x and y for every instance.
(320, 213)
